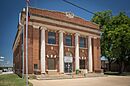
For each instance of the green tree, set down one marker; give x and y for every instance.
(103, 19)
(120, 36)
(115, 38)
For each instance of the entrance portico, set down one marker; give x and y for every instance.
(68, 62)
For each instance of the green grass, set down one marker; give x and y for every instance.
(125, 74)
(12, 80)
(111, 73)
(117, 73)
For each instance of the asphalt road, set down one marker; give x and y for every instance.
(93, 81)
(10, 72)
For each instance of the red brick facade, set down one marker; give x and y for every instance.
(34, 43)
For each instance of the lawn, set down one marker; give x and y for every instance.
(117, 73)
(12, 80)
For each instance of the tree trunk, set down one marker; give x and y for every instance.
(109, 65)
(125, 67)
(121, 67)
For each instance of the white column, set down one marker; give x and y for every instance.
(61, 52)
(90, 60)
(43, 53)
(76, 51)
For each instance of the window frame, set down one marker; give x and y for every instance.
(70, 42)
(35, 66)
(83, 44)
(50, 40)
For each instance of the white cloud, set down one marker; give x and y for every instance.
(1, 60)
(2, 57)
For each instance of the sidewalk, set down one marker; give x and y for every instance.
(93, 81)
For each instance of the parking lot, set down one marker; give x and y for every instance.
(93, 81)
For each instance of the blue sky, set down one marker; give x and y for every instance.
(9, 11)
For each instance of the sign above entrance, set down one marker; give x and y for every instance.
(68, 59)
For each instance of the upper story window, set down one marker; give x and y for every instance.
(68, 40)
(51, 38)
(82, 42)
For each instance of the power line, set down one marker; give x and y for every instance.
(80, 7)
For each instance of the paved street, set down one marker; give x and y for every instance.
(95, 81)
(10, 72)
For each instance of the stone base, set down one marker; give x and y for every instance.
(52, 72)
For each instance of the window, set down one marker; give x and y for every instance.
(82, 64)
(68, 40)
(82, 42)
(51, 64)
(51, 38)
(35, 66)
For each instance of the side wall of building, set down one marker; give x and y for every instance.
(96, 55)
(17, 57)
(33, 49)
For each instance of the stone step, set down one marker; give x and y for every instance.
(52, 72)
(64, 76)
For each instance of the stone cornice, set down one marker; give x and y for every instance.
(49, 27)
(44, 19)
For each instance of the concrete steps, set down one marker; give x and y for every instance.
(66, 76)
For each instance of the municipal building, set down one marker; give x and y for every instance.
(58, 43)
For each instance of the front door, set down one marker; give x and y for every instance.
(68, 67)
(68, 64)
(51, 64)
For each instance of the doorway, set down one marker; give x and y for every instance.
(68, 67)
(51, 64)
(68, 60)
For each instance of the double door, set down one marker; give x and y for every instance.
(68, 67)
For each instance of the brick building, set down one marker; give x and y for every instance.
(57, 42)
